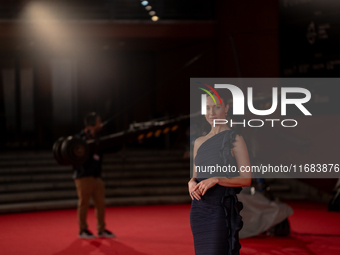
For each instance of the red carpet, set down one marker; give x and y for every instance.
(158, 230)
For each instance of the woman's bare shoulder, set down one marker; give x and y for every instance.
(199, 141)
(239, 138)
(239, 142)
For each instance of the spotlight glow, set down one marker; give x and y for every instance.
(148, 8)
(145, 3)
(47, 28)
(152, 13)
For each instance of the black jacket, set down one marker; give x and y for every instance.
(93, 166)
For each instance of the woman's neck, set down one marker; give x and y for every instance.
(218, 128)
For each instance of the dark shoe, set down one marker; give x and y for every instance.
(86, 234)
(106, 234)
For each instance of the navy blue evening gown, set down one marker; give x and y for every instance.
(215, 219)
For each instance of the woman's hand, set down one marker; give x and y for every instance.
(193, 194)
(204, 185)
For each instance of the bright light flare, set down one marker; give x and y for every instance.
(154, 18)
(47, 28)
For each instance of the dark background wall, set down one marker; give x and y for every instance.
(123, 66)
(135, 69)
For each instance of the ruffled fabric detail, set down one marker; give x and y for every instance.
(231, 205)
(233, 219)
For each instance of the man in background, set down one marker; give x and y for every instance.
(87, 178)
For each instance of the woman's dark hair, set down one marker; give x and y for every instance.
(90, 119)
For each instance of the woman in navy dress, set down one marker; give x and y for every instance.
(215, 211)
